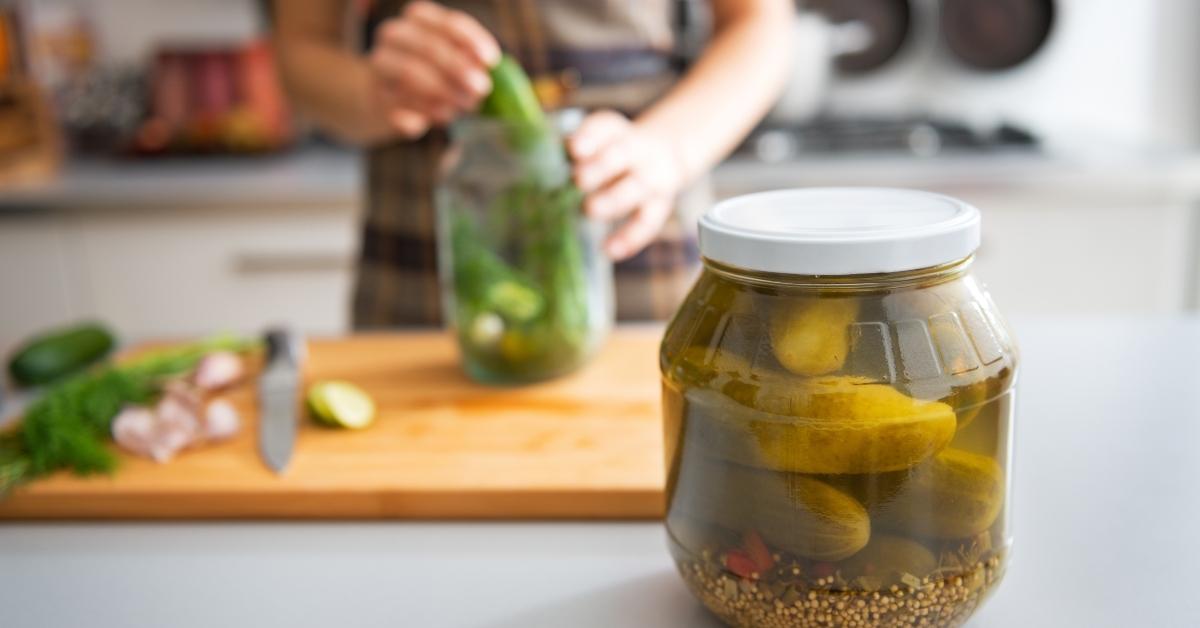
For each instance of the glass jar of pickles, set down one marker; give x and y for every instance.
(527, 287)
(838, 399)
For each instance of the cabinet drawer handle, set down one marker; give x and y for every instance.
(291, 262)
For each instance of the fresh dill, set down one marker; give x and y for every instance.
(69, 426)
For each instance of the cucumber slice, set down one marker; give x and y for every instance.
(340, 404)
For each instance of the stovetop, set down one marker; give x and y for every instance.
(921, 136)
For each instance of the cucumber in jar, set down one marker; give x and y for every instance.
(522, 296)
(799, 514)
(958, 494)
(826, 425)
(811, 336)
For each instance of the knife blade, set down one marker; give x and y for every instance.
(278, 389)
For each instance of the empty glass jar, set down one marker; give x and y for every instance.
(838, 397)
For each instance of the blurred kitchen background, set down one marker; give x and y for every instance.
(152, 176)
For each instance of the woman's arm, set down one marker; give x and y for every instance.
(732, 85)
(324, 78)
(632, 170)
(427, 66)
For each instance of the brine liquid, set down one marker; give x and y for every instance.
(838, 458)
(925, 529)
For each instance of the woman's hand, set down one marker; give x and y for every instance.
(627, 172)
(430, 65)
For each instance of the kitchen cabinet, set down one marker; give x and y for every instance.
(39, 283)
(1064, 257)
(187, 271)
(182, 247)
(178, 271)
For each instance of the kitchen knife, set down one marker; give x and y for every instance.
(278, 389)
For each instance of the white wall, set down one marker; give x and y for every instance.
(1176, 93)
(127, 30)
(1113, 71)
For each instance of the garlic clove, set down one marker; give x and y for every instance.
(145, 432)
(133, 429)
(179, 420)
(218, 370)
(176, 414)
(184, 393)
(221, 420)
(170, 439)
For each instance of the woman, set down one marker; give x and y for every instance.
(637, 157)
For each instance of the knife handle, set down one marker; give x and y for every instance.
(284, 345)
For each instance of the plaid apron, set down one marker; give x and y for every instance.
(610, 53)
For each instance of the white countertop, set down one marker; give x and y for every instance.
(331, 176)
(1106, 507)
(1106, 176)
(327, 176)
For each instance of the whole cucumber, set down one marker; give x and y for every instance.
(513, 98)
(514, 102)
(59, 353)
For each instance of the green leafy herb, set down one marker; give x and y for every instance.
(68, 428)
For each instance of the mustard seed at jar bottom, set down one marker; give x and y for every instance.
(838, 400)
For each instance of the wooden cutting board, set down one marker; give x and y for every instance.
(588, 445)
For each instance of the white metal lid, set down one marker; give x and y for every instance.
(839, 231)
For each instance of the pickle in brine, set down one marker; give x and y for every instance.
(967, 381)
(829, 426)
(958, 494)
(798, 514)
(703, 367)
(812, 336)
(968, 401)
(889, 559)
(711, 307)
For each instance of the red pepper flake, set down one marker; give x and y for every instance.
(758, 552)
(823, 569)
(740, 564)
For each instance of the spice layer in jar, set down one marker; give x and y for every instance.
(838, 446)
